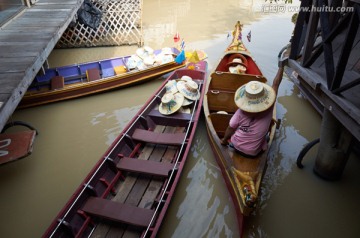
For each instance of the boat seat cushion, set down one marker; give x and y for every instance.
(120, 69)
(145, 166)
(118, 212)
(159, 138)
(57, 82)
(93, 74)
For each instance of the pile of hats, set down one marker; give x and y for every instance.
(179, 95)
(146, 57)
(165, 56)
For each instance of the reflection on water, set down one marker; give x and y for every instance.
(74, 135)
(121, 116)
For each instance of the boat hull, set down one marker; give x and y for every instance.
(242, 175)
(137, 175)
(75, 84)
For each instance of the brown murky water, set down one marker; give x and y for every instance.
(74, 134)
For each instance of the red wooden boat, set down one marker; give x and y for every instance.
(73, 81)
(129, 190)
(242, 175)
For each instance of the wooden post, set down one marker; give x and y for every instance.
(334, 148)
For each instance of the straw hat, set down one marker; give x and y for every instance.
(254, 97)
(167, 51)
(187, 102)
(189, 89)
(170, 86)
(237, 66)
(146, 53)
(185, 78)
(170, 103)
(185, 110)
(238, 56)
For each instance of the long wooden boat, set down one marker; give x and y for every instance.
(241, 174)
(128, 191)
(72, 81)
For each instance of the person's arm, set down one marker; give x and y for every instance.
(228, 133)
(278, 78)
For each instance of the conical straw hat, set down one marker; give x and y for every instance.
(255, 97)
(170, 103)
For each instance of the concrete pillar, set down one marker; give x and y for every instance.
(334, 148)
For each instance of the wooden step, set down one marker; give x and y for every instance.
(118, 212)
(145, 166)
(159, 138)
(176, 119)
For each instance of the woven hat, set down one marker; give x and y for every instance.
(239, 56)
(187, 102)
(185, 110)
(189, 89)
(167, 51)
(255, 97)
(170, 103)
(237, 66)
(146, 53)
(170, 86)
(185, 78)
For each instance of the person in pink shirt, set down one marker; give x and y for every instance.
(249, 125)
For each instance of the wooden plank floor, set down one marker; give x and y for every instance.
(25, 43)
(139, 190)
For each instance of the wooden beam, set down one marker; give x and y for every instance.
(346, 50)
(298, 31)
(346, 86)
(336, 30)
(310, 35)
(327, 46)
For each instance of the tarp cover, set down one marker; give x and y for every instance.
(89, 15)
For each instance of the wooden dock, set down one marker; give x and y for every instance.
(25, 43)
(324, 62)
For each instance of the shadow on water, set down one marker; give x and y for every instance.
(74, 134)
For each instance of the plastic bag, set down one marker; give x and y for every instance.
(89, 15)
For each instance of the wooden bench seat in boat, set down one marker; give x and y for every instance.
(176, 119)
(220, 122)
(231, 82)
(145, 166)
(221, 101)
(93, 74)
(118, 212)
(159, 138)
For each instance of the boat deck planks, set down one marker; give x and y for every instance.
(40, 26)
(142, 189)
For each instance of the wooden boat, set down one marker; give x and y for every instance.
(240, 173)
(77, 80)
(129, 190)
(17, 144)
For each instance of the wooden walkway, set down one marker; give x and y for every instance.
(324, 62)
(25, 43)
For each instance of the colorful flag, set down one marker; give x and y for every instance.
(182, 45)
(249, 36)
(176, 37)
(180, 58)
